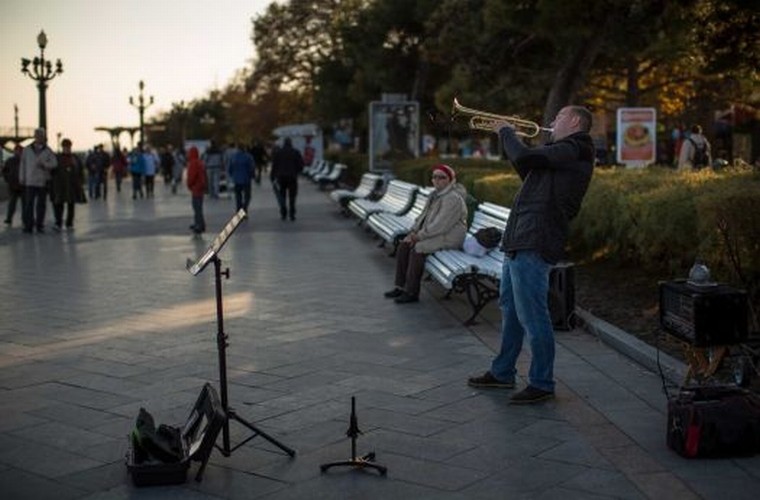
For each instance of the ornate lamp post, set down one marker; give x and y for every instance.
(141, 106)
(42, 72)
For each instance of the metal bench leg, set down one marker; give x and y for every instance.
(478, 295)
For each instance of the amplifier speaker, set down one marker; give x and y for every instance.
(562, 296)
(703, 316)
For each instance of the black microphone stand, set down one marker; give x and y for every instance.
(356, 462)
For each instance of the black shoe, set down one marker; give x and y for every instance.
(27, 230)
(488, 381)
(530, 395)
(405, 298)
(41, 230)
(396, 292)
(7, 222)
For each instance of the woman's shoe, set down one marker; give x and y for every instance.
(396, 292)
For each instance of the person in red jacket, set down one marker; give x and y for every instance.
(196, 183)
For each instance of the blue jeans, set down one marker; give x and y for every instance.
(524, 303)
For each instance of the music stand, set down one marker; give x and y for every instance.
(195, 268)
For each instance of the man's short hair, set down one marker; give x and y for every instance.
(584, 116)
(696, 129)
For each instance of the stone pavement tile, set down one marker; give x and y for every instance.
(31, 374)
(478, 405)
(12, 419)
(72, 394)
(306, 416)
(526, 477)
(606, 483)
(423, 448)
(102, 478)
(61, 436)
(45, 460)
(498, 452)
(442, 476)
(19, 484)
(229, 483)
(577, 451)
(666, 485)
(410, 405)
(632, 460)
(359, 484)
(421, 426)
(75, 415)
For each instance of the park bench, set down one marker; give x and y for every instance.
(398, 198)
(479, 277)
(393, 227)
(319, 167)
(332, 177)
(460, 272)
(368, 187)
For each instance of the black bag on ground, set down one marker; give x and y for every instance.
(719, 421)
(163, 444)
(488, 237)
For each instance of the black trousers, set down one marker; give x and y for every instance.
(288, 187)
(35, 204)
(410, 266)
(58, 214)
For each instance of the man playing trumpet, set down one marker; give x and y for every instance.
(555, 178)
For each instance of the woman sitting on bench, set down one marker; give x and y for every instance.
(442, 224)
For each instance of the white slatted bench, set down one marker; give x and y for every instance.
(477, 277)
(369, 184)
(398, 198)
(332, 177)
(318, 167)
(392, 227)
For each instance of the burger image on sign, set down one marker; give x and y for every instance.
(636, 135)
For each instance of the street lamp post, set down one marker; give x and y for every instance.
(41, 71)
(141, 106)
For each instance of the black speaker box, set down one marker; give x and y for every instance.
(562, 296)
(703, 316)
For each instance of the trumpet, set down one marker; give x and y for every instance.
(491, 122)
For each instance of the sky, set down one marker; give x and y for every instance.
(181, 49)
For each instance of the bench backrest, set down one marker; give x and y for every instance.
(489, 215)
(420, 200)
(367, 185)
(399, 193)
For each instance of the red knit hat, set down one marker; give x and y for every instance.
(447, 170)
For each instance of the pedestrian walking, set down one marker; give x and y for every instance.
(15, 189)
(66, 186)
(37, 161)
(287, 164)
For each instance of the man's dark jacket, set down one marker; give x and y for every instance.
(286, 162)
(555, 178)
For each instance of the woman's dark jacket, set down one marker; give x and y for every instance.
(67, 180)
(555, 178)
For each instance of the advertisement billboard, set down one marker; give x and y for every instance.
(394, 133)
(636, 136)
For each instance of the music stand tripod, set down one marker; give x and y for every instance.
(195, 268)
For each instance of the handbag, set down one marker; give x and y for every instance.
(721, 421)
(488, 237)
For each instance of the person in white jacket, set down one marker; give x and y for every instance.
(37, 161)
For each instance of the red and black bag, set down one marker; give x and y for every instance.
(719, 421)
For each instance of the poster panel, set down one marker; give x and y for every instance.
(394, 133)
(636, 136)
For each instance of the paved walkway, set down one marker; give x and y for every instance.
(98, 322)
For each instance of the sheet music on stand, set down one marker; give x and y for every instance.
(216, 245)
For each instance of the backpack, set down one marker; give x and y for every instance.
(700, 154)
